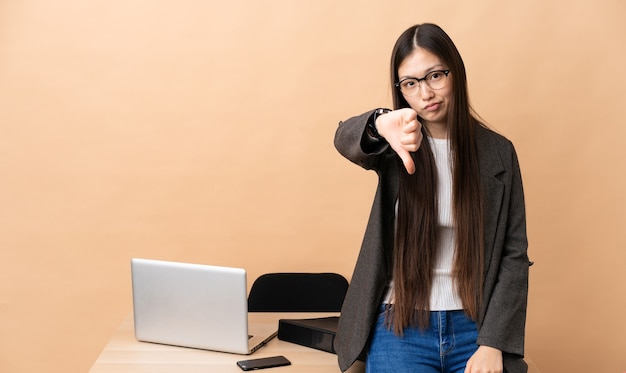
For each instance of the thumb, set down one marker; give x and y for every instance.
(407, 160)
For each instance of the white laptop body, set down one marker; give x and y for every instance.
(194, 305)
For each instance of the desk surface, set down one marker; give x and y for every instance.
(124, 354)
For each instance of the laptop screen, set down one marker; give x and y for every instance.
(190, 305)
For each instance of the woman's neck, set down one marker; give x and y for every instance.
(437, 130)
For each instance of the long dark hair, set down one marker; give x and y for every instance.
(415, 249)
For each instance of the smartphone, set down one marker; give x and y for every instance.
(265, 362)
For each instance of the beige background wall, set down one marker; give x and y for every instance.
(202, 131)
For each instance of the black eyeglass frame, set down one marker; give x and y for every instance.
(419, 80)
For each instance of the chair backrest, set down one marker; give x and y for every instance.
(297, 292)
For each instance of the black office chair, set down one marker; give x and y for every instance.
(298, 292)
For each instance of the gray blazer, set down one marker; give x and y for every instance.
(502, 315)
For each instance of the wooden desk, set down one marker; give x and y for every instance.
(124, 354)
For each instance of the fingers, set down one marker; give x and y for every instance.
(409, 115)
(411, 136)
(411, 126)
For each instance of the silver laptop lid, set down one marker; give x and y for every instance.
(190, 305)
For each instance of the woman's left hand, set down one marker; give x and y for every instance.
(485, 360)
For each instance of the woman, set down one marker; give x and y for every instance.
(441, 281)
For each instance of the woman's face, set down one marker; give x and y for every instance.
(430, 104)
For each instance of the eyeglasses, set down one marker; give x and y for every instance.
(434, 80)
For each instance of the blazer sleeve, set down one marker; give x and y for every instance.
(504, 318)
(354, 143)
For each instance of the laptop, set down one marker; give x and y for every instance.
(194, 305)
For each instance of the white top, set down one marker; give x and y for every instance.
(444, 295)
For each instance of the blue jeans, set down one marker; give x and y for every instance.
(445, 347)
